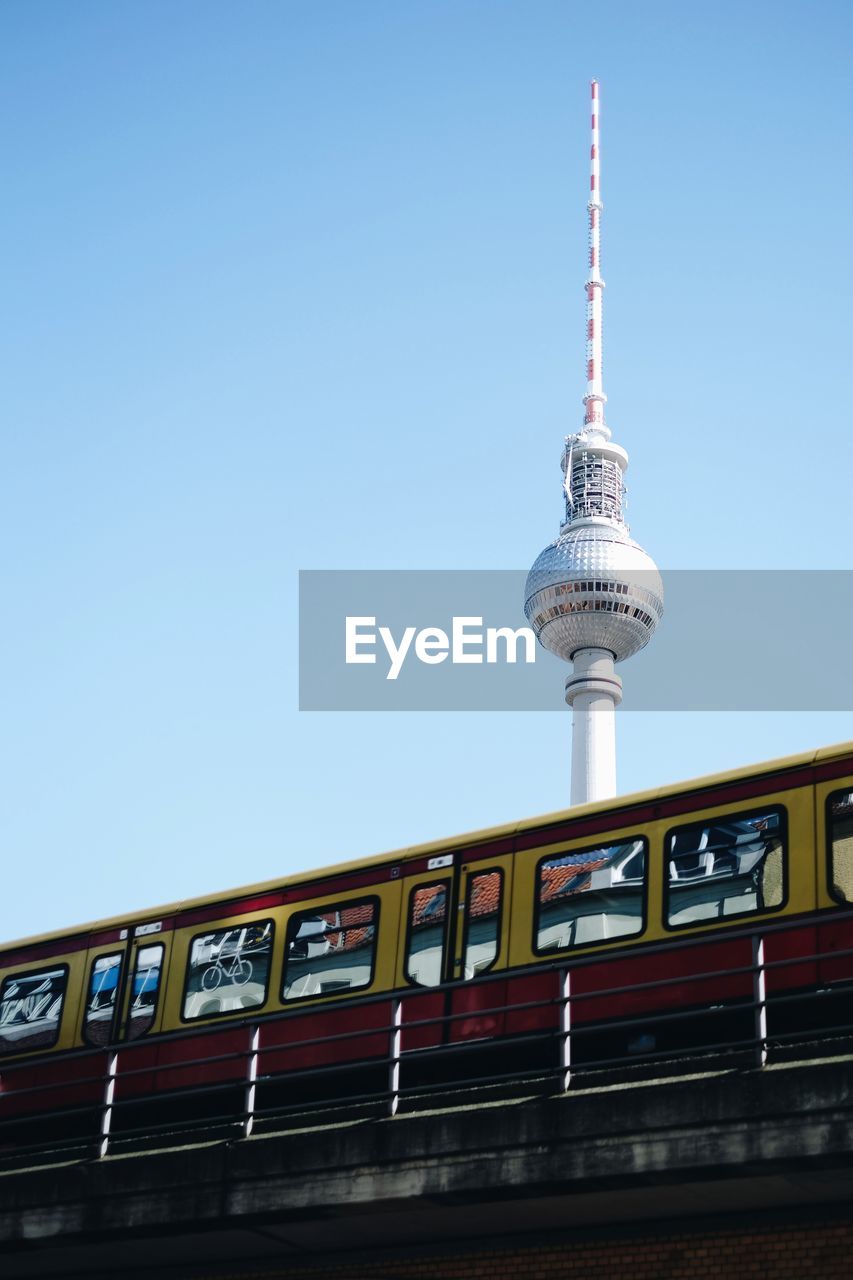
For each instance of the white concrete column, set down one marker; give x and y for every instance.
(593, 691)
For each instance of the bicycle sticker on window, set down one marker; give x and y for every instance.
(228, 970)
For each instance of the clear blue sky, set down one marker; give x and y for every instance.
(298, 285)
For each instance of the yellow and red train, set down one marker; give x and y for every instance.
(650, 903)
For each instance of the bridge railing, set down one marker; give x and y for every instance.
(132, 1094)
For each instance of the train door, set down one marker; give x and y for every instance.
(834, 866)
(424, 951)
(481, 946)
(123, 986)
(144, 978)
(107, 966)
(456, 929)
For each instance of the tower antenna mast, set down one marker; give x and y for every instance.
(595, 399)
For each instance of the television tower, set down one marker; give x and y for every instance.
(593, 597)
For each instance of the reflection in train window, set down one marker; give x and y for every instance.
(840, 828)
(330, 949)
(101, 999)
(591, 895)
(725, 866)
(228, 970)
(482, 922)
(427, 934)
(144, 990)
(30, 1009)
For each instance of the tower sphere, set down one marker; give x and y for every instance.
(594, 587)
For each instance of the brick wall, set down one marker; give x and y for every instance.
(819, 1249)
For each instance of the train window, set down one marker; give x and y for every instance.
(839, 825)
(101, 999)
(30, 1009)
(482, 922)
(726, 866)
(330, 949)
(426, 938)
(144, 991)
(228, 970)
(591, 895)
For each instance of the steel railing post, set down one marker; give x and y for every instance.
(394, 1055)
(759, 997)
(566, 1028)
(251, 1080)
(107, 1107)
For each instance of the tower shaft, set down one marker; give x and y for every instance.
(593, 691)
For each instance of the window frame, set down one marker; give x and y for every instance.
(469, 888)
(448, 882)
(111, 1038)
(34, 973)
(721, 921)
(125, 1028)
(624, 938)
(831, 886)
(373, 900)
(248, 1012)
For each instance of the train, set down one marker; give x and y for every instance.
(707, 916)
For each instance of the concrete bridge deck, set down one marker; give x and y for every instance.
(747, 1142)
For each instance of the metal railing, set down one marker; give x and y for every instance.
(746, 1030)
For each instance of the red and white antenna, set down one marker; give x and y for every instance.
(595, 398)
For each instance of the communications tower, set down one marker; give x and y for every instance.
(593, 597)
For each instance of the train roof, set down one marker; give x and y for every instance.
(468, 839)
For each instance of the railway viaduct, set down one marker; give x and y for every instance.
(741, 1173)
